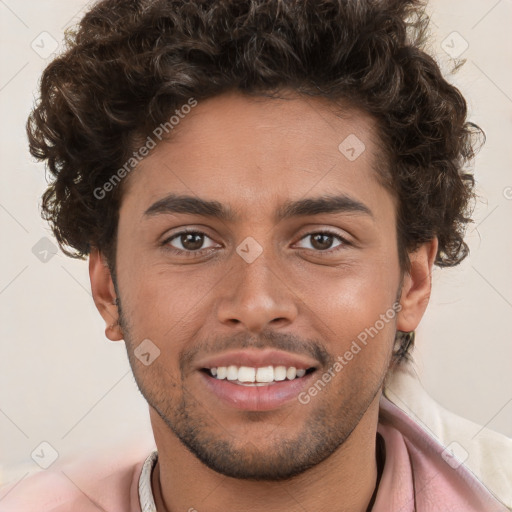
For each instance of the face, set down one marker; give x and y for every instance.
(251, 244)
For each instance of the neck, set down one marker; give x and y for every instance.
(347, 478)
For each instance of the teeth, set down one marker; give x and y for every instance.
(291, 373)
(265, 374)
(280, 373)
(262, 375)
(246, 374)
(232, 373)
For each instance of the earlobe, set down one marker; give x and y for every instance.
(416, 287)
(104, 294)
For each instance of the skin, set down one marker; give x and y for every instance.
(253, 155)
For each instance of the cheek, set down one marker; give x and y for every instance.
(166, 305)
(354, 295)
(355, 311)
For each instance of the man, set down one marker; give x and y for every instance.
(262, 189)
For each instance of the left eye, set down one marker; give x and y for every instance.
(323, 241)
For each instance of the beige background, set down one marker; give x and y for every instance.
(63, 382)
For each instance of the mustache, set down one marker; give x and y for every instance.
(268, 339)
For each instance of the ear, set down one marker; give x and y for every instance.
(104, 294)
(416, 286)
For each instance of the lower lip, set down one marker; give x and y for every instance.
(256, 398)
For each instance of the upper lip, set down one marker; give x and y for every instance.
(257, 359)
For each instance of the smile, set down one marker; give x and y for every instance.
(251, 376)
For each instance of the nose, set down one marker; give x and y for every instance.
(256, 296)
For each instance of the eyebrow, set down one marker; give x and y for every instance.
(332, 204)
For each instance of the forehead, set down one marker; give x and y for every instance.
(251, 151)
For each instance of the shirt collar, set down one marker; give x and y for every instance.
(147, 502)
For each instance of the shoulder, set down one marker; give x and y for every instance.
(473, 457)
(98, 482)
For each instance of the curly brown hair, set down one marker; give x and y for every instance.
(130, 63)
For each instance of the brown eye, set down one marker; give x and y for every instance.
(323, 241)
(190, 241)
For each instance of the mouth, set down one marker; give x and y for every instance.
(251, 388)
(256, 379)
(257, 376)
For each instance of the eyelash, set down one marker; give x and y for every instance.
(192, 254)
